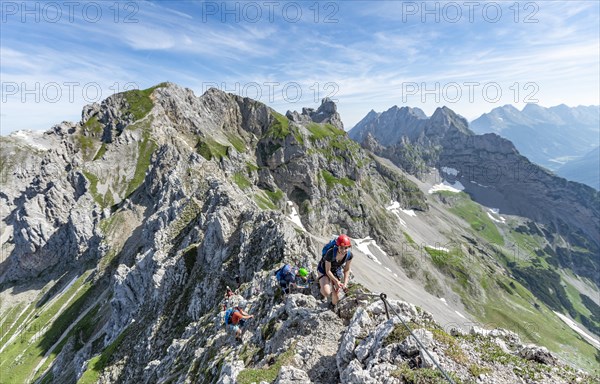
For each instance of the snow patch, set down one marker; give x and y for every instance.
(495, 211)
(450, 171)
(438, 248)
(294, 217)
(33, 139)
(446, 186)
(443, 300)
(493, 218)
(387, 269)
(409, 212)
(574, 326)
(460, 314)
(363, 246)
(481, 185)
(394, 207)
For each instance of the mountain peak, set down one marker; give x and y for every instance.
(533, 107)
(327, 107)
(407, 112)
(506, 108)
(326, 113)
(371, 114)
(446, 118)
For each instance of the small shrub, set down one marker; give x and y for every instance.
(477, 370)
(280, 127)
(331, 180)
(249, 376)
(210, 149)
(241, 180)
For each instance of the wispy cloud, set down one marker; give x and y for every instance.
(365, 59)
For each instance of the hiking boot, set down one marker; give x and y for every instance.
(331, 306)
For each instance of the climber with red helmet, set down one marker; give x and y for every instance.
(334, 268)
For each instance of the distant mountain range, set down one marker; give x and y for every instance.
(551, 137)
(585, 170)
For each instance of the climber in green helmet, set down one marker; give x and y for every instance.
(288, 277)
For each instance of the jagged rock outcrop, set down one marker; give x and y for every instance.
(389, 126)
(168, 198)
(377, 350)
(325, 114)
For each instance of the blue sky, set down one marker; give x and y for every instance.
(471, 56)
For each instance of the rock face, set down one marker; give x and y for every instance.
(494, 174)
(390, 126)
(131, 223)
(158, 199)
(50, 221)
(110, 160)
(325, 114)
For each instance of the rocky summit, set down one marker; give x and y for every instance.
(121, 232)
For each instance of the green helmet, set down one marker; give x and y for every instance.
(303, 272)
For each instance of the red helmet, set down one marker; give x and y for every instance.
(343, 240)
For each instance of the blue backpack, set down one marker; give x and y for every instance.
(327, 247)
(228, 314)
(330, 245)
(282, 272)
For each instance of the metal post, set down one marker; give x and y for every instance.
(383, 297)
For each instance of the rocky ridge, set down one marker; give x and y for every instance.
(166, 198)
(144, 211)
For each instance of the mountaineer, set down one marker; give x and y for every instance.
(235, 319)
(289, 277)
(334, 268)
(228, 294)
